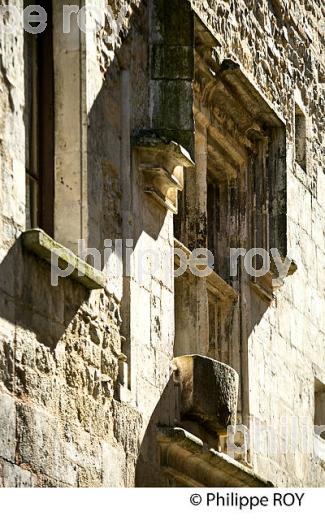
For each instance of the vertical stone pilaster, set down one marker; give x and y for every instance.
(201, 161)
(171, 71)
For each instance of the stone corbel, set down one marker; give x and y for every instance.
(161, 164)
(267, 284)
(58, 256)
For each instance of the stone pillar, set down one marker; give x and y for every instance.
(201, 161)
(172, 69)
(70, 182)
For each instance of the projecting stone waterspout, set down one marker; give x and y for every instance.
(208, 391)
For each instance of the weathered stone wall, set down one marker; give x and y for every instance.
(59, 364)
(59, 346)
(61, 423)
(281, 45)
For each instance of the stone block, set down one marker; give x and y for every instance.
(172, 62)
(7, 427)
(114, 466)
(209, 391)
(41, 445)
(17, 477)
(172, 102)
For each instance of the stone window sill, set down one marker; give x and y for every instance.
(215, 283)
(39, 243)
(267, 285)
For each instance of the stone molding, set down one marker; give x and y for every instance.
(185, 459)
(161, 164)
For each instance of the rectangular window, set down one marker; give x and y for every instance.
(300, 137)
(319, 417)
(259, 198)
(214, 316)
(213, 215)
(31, 126)
(221, 221)
(39, 125)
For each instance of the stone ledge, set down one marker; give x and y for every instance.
(148, 139)
(265, 286)
(185, 458)
(216, 284)
(42, 245)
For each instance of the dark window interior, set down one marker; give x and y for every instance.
(300, 138)
(39, 124)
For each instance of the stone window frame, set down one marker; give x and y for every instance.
(300, 129)
(216, 137)
(69, 175)
(39, 95)
(302, 165)
(319, 416)
(319, 406)
(263, 121)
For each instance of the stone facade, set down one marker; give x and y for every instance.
(154, 110)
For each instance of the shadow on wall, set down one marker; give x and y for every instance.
(117, 206)
(31, 308)
(59, 349)
(149, 472)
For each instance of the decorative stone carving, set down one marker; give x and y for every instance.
(189, 463)
(161, 163)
